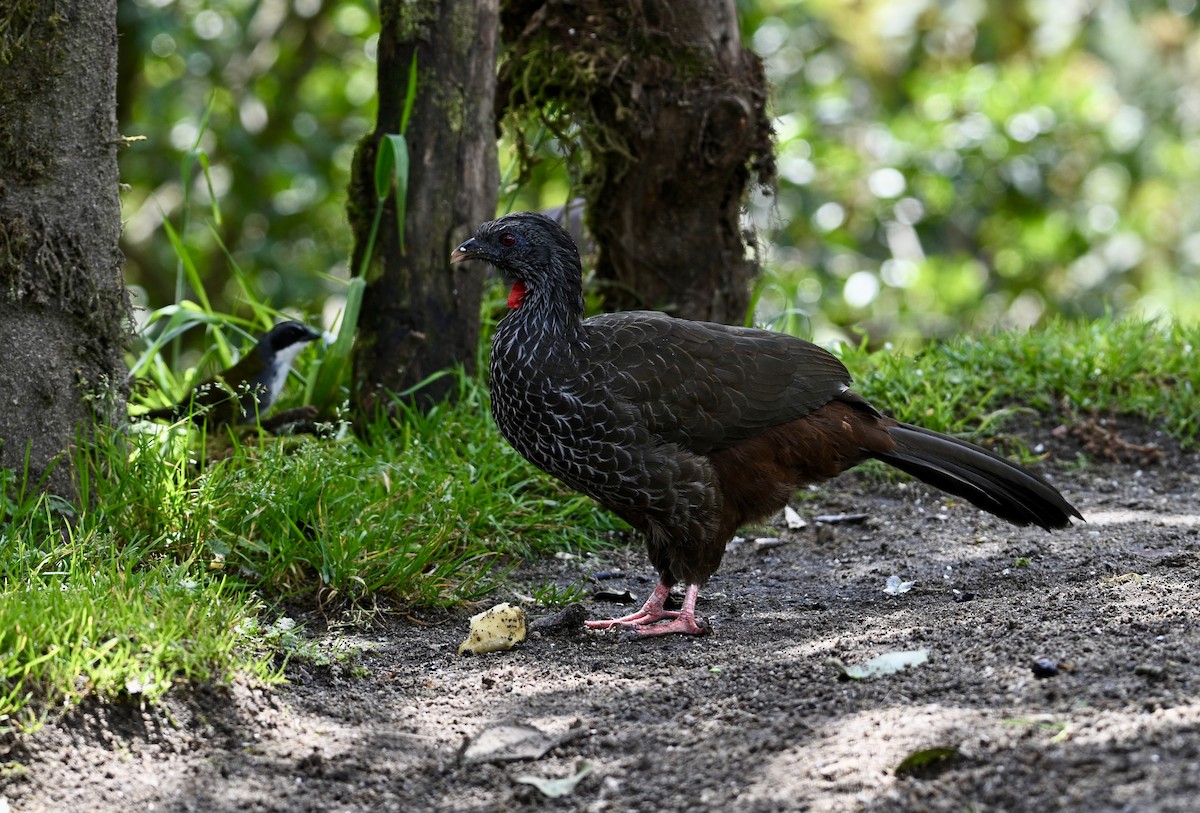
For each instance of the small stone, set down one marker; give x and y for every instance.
(1044, 668)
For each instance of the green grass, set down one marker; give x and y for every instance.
(83, 617)
(182, 546)
(972, 384)
(175, 565)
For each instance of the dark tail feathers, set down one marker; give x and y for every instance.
(965, 470)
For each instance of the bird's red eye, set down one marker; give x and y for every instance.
(508, 239)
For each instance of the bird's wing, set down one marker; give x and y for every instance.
(707, 386)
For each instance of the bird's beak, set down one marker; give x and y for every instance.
(467, 251)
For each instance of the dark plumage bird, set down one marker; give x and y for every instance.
(687, 430)
(244, 391)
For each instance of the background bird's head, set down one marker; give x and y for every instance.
(256, 381)
(533, 254)
(286, 335)
(268, 366)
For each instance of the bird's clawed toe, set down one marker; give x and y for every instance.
(678, 626)
(641, 618)
(653, 620)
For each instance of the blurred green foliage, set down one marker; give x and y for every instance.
(963, 164)
(274, 94)
(944, 166)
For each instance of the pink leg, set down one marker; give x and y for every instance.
(651, 611)
(643, 622)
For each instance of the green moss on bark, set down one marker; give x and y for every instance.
(31, 32)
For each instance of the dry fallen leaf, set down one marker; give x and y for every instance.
(768, 542)
(793, 519)
(555, 788)
(887, 664)
(841, 519)
(508, 742)
(513, 742)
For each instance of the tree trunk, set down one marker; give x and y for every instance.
(64, 313)
(672, 113)
(419, 317)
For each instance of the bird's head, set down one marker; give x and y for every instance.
(263, 371)
(288, 334)
(280, 345)
(534, 254)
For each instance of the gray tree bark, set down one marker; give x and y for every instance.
(420, 317)
(671, 111)
(64, 312)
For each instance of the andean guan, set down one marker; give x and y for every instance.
(687, 430)
(242, 392)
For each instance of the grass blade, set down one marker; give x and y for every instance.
(189, 267)
(410, 94)
(399, 149)
(335, 367)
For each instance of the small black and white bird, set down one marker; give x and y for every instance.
(243, 392)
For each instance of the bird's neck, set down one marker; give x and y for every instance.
(545, 314)
(275, 370)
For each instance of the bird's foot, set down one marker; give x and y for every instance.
(641, 618)
(646, 622)
(689, 625)
(653, 610)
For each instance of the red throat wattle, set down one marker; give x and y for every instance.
(516, 295)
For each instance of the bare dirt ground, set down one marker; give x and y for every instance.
(752, 717)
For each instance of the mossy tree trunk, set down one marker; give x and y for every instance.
(64, 313)
(420, 317)
(671, 111)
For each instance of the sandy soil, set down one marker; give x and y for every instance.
(751, 718)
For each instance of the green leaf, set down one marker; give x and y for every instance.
(391, 173)
(180, 319)
(193, 155)
(925, 761)
(400, 162)
(385, 163)
(335, 366)
(264, 314)
(189, 267)
(208, 181)
(410, 95)
(365, 264)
